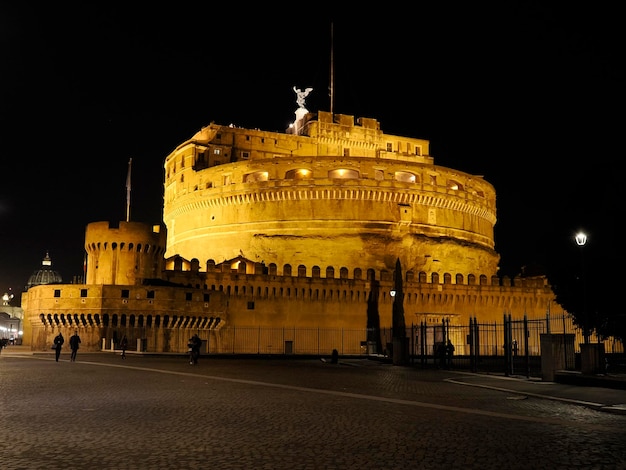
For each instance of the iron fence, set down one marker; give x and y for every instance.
(511, 346)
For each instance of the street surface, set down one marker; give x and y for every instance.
(155, 412)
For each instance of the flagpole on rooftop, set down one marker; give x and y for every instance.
(332, 70)
(128, 191)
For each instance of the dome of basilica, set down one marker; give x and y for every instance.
(45, 275)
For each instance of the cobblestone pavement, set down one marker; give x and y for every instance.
(105, 412)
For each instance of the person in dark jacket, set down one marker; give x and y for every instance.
(449, 354)
(58, 344)
(195, 343)
(124, 345)
(74, 342)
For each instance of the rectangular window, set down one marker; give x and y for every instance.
(188, 296)
(217, 151)
(245, 155)
(83, 292)
(207, 297)
(250, 305)
(57, 292)
(418, 150)
(150, 294)
(125, 293)
(389, 147)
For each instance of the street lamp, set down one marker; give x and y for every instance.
(581, 240)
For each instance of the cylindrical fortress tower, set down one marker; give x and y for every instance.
(125, 254)
(336, 196)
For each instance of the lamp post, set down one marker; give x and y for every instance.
(581, 240)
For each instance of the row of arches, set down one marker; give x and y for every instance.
(145, 248)
(241, 266)
(84, 320)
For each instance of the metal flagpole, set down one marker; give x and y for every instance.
(128, 191)
(332, 70)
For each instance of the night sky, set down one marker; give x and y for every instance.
(530, 96)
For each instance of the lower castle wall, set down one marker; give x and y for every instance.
(248, 304)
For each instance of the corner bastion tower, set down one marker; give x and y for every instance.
(124, 255)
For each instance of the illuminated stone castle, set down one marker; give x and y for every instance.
(337, 197)
(271, 232)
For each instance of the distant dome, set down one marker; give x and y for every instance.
(45, 275)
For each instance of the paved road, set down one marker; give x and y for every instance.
(103, 412)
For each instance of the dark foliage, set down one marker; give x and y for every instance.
(373, 316)
(399, 325)
(585, 282)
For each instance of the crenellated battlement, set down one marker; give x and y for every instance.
(342, 295)
(242, 266)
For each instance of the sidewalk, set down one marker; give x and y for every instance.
(597, 397)
(604, 393)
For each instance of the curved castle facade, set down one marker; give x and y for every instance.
(335, 196)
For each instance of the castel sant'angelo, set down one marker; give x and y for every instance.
(272, 242)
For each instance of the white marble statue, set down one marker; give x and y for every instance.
(301, 95)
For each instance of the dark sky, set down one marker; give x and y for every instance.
(529, 95)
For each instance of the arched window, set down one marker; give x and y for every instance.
(256, 176)
(299, 174)
(455, 185)
(343, 173)
(405, 177)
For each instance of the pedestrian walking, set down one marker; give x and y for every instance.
(58, 344)
(195, 343)
(440, 355)
(449, 354)
(74, 342)
(124, 345)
